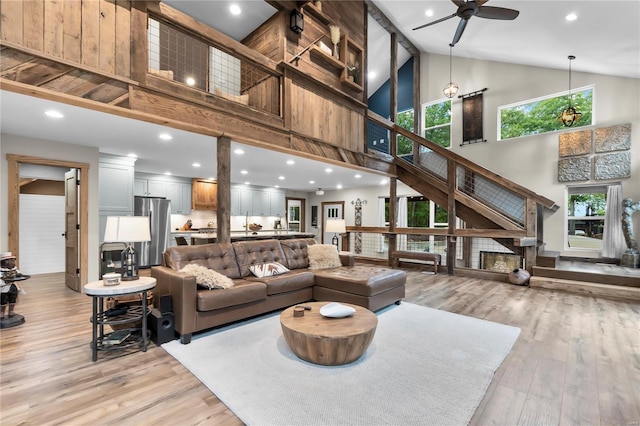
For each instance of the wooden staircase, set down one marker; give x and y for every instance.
(598, 280)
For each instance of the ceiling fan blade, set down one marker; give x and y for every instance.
(435, 22)
(459, 2)
(461, 26)
(490, 12)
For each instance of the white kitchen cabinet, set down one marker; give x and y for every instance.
(149, 188)
(115, 187)
(277, 205)
(180, 196)
(261, 203)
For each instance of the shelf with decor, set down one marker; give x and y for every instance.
(351, 54)
(327, 59)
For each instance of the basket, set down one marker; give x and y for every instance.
(255, 227)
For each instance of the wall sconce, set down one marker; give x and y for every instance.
(296, 22)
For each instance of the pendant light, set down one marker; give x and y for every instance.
(570, 116)
(452, 89)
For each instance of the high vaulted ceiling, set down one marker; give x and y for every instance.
(605, 38)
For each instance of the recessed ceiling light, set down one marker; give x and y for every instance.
(358, 176)
(167, 173)
(212, 178)
(165, 136)
(235, 9)
(571, 17)
(244, 172)
(191, 81)
(290, 162)
(54, 114)
(371, 75)
(339, 186)
(196, 164)
(247, 183)
(328, 170)
(238, 151)
(311, 182)
(383, 182)
(276, 186)
(281, 177)
(132, 155)
(429, 12)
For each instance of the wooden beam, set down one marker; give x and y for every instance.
(385, 23)
(223, 178)
(452, 180)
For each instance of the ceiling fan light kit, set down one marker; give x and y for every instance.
(570, 116)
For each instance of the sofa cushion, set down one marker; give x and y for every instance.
(206, 277)
(219, 257)
(295, 250)
(253, 252)
(270, 269)
(291, 281)
(361, 280)
(242, 292)
(323, 256)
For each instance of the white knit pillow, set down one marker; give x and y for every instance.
(262, 270)
(208, 278)
(323, 256)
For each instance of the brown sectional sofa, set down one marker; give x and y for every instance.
(198, 309)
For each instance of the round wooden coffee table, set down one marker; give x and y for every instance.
(328, 341)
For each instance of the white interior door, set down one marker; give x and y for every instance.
(331, 211)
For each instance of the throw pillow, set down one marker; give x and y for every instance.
(207, 278)
(323, 256)
(262, 270)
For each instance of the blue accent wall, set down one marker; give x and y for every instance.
(378, 137)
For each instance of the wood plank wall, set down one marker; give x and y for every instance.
(92, 33)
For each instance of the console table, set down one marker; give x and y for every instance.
(139, 336)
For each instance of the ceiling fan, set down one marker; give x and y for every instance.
(468, 9)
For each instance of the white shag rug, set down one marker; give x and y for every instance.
(424, 367)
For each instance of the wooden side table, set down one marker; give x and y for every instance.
(98, 291)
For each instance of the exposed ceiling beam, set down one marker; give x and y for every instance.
(388, 25)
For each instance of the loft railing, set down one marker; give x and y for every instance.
(211, 66)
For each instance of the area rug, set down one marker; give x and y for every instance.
(424, 367)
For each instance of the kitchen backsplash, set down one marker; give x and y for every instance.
(201, 218)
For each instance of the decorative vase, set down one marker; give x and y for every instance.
(335, 51)
(519, 276)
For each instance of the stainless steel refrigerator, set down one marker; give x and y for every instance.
(159, 212)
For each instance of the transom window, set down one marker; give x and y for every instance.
(540, 115)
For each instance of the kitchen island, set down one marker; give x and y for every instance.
(209, 238)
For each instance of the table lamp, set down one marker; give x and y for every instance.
(337, 226)
(128, 229)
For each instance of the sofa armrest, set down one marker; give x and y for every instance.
(347, 258)
(183, 291)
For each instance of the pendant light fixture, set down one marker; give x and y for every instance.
(452, 89)
(570, 116)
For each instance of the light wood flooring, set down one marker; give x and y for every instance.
(576, 362)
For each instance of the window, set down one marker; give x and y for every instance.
(540, 115)
(437, 122)
(421, 213)
(404, 119)
(586, 208)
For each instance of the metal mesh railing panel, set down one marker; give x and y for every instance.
(377, 138)
(492, 194)
(179, 56)
(433, 163)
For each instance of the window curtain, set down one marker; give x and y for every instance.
(613, 244)
(402, 222)
(381, 222)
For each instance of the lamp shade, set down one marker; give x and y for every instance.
(336, 226)
(127, 229)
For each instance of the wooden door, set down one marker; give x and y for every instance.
(72, 246)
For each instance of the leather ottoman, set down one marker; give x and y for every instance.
(370, 287)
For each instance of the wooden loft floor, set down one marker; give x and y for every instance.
(575, 361)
